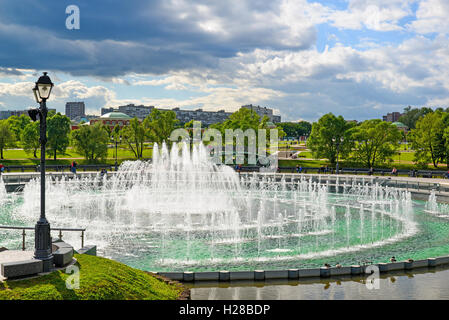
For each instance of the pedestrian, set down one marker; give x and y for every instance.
(297, 168)
(394, 172)
(73, 166)
(103, 172)
(2, 168)
(447, 174)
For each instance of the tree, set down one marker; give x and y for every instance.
(427, 139)
(6, 136)
(375, 141)
(18, 124)
(134, 136)
(30, 138)
(159, 125)
(411, 116)
(326, 136)
(242, 119)
(58, 130)
(91, 141)
(296, 129)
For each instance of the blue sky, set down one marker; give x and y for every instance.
(304, 58)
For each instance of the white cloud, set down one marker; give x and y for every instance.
(381, 15)
(432, 16)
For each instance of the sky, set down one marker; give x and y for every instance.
(302, 58)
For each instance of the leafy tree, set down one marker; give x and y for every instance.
(375, 141)
(18, 124)
(58, 131)
(6, 136)
(134, 136)
(159, 125)
(51, 113)
(108, 130)
(296, 129)
(411, 116)
(115, 134)
(30, 138)
(91, 141)
(326, 136)
(427, 139)
(242, 119)
(189, 125)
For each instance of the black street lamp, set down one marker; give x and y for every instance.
(338, 142)
(116, 143)
(42, 237)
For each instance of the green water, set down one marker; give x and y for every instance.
(279, 248)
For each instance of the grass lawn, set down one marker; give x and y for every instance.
(19, 157)
(100, 279)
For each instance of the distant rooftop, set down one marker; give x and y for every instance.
(115, 115)
(399, 124)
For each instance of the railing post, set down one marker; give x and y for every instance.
(60, 234)
(23, 239)
(82, 239)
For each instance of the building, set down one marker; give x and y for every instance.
(5, 114)
(112, 119)
(9, 113)
(206, 117)
(107, 110)
(75, 109)
(264, 111)
(402, 127)
(140, 112)
(392, 116)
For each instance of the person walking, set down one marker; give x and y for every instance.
(2, 169)
(73, 166)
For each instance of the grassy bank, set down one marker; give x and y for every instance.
(100, 279)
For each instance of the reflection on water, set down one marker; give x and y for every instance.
(422, 284)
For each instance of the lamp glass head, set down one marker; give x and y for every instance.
(36, 95)
(44, 86)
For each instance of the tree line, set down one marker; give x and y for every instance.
(91, 141)
(374, 142)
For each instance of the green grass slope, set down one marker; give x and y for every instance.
(100, 279)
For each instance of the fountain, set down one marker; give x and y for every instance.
(2, 190)
(181, 211)
(435, 208)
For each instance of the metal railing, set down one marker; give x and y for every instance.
(357, 171)
(59, 167)
(55, 229)
(402, 183)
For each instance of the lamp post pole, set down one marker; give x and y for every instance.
(115, 139)
(42, 238)
(338, 142)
